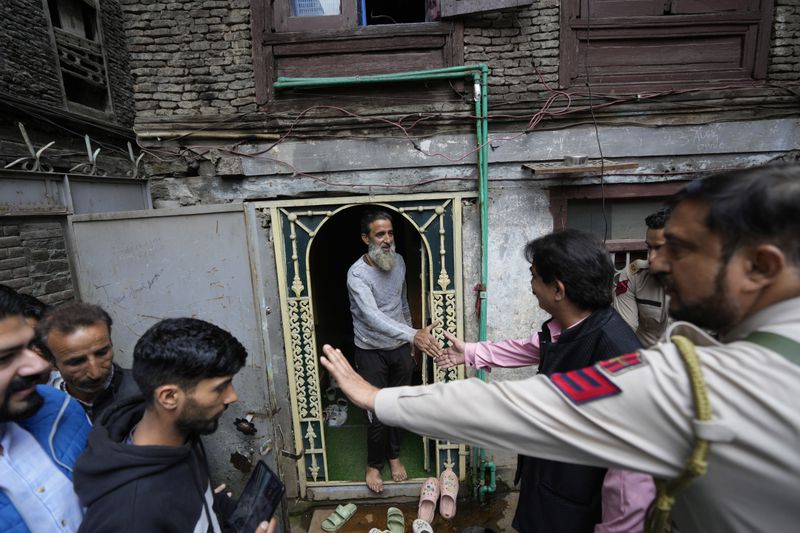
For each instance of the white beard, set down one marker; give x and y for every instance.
(384, 260)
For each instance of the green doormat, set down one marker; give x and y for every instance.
(347, 450)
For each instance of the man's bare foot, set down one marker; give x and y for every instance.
(398, 470)
(374, 479)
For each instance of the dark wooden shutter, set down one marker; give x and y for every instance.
(597, 9)
(657, 44)
(453, 8)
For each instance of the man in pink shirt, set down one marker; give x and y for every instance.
(568, 278)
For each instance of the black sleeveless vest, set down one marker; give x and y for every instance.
(558, 497)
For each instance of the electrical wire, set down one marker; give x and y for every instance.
(594, 120)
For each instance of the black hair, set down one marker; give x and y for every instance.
(579, 261)
(753, 206)
(10, 302)
(370, 216)
(658, 219)
(184, 351)
(68, 318)
(33, 307)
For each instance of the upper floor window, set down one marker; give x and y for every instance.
(314, 38)
(637, 45)
(80, 54)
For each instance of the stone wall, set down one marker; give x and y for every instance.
(518, 45)
(33, 259)
(28, 63)
(190, 58)
(117, 59)
(27, 57)
(522, 45)
(784, 64)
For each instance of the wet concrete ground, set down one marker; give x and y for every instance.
(496, 514)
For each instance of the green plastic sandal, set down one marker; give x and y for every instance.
(395, 520)
(337, 518)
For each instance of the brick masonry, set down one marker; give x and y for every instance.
(195, 57)
(518, 43)
(117, 58)
(191, 57)
(28, 63)
(784, 64)
(519, 46)
(33, 260)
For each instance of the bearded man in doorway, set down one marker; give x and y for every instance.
(383, 335)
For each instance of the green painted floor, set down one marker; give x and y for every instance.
(347, 450)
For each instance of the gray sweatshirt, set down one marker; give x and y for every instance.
(378, 303)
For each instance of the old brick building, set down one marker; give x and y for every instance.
(663, 91)
(63, 75)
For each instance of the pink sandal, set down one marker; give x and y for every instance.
(448, 485)
(428, 494)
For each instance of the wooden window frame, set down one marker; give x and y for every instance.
(560, 197)
(285, 22)
(751, 28)
(61, 40)
(319, 46)
(454, 8)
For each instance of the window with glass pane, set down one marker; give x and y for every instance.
(315, 8)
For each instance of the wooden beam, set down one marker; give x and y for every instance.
(545, 170)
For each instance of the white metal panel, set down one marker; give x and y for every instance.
(142, 266)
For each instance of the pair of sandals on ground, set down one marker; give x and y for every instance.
(443, 491)
(396, 523)
(395, 520)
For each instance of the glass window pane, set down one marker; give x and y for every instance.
(315, 8)
(624, 218)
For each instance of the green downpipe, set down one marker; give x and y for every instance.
(483, 187)
(480, 78)
(492, 486)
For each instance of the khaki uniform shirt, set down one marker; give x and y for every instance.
(636, 412)
(641, 301)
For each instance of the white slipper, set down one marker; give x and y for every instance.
(338, 413)
(421, 526)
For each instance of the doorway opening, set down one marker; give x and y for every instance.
(335, 247)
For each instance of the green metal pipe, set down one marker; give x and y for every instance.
(492, 485)
(480, 77)
(441, 73)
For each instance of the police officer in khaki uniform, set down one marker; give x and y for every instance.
(638, 295)
(731, 263)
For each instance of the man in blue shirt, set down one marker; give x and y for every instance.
(42, 432)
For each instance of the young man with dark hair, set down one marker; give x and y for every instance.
(716, 420)
(145, 468)
(77, 338)
(638, 295)
(32, 310)
(42, 432)
(570, 277)
(383, 334)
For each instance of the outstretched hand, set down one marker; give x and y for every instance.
(426, 342)
(356, 388)
(453, 355)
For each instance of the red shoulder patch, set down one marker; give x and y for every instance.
(622, 287)
(621, 364)
(584, 385)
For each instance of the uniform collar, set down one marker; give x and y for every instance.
(783, 312)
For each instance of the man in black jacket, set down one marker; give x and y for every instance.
(76, 337)
(145, 468)
(571, 277)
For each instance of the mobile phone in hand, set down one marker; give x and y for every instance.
(258, 501)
